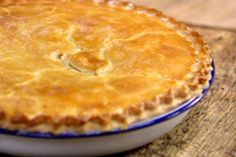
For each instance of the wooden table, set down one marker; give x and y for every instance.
(215, 13)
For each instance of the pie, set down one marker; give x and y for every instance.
(83, 65)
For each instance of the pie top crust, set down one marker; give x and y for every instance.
(83, 65)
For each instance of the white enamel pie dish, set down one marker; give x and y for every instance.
(22, 143)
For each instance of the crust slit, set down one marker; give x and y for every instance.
(198, 80)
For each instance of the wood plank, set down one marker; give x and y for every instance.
(217, 13)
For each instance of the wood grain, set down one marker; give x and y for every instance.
(217, 13)
(210, 128)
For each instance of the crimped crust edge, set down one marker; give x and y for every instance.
(198, 80)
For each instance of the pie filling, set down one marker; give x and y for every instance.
(83, 65)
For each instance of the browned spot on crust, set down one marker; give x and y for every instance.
(88, 62)
(149, 105)
(102, 120)
(193, 86)
(181, 93)
(2, 115)
(70, 121)
(18, 119)
(39, 120)
(202, 80)
(135, 110)
(166, 100)
(119, 118)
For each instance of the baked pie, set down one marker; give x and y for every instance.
(83, 65)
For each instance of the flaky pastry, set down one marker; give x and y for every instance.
(83, 65)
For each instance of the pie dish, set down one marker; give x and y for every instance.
(23, 143)
(82, 65)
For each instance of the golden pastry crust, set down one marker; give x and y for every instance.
(83, 65)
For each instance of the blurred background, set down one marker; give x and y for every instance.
(213, 13)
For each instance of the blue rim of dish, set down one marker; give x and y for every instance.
(140, 125)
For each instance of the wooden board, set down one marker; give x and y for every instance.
(210, 128)
(217, 13)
